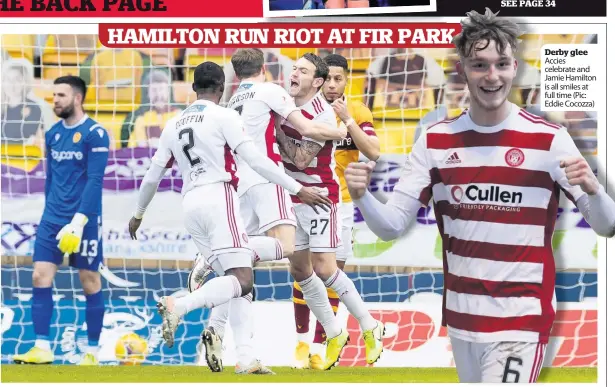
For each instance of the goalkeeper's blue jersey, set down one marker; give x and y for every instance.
(76, 159)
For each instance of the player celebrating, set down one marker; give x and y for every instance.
(201, 140)
(357, 118)
(318, 235)
(259, 103)
(495, 174)
(77, 149)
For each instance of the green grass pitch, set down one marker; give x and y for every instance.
(193, 374)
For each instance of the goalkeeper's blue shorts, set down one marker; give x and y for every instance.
(90, 251)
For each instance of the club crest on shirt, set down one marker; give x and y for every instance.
(76, 137)
(514, 157)
(57, 136)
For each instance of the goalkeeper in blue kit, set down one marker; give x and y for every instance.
(77, 149)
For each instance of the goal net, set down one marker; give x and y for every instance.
(132, 93)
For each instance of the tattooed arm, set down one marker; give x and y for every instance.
(302, 154)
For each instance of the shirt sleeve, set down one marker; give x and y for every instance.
(328, 118)
(48, 163)
(365, 120)
(415, 180)
(564, 147)
(164, 154)
(280, 101)
(232, 129)
(97, 148)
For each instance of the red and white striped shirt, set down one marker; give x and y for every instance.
(495, 193)
(321, 171)
(258, 103)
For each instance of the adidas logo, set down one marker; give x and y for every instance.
(453, 159)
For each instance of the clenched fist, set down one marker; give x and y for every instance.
(358, 176)
(578, 172)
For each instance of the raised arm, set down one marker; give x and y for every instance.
(300, 154)
(360, 129)
(319, 131)
(573, 174)
(413, 190)
(388, 221)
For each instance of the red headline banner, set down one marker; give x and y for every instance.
(131, 8)
(317, 35)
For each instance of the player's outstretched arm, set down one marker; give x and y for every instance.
(319, 131)
(574, 175)
(241, 143)
(69, 236)
(388, 221)
(597, 207)
(161, 161)
(302, 154)
(267, 168)
(147, 191)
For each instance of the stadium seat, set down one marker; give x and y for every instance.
(111, 75)
(196, 56)
(355, 88)
(396, 136)
(43, 88)
(112, 121)
(296, 53)
(445, 57)
(397, 101)
(19, 46)
(63, 54)
(183, 93)
(160, 56)
(25, 157)
(358, 58)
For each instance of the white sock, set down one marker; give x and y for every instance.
(218, 318)
(317, 349)
(315, 295)
(266, 248)
(214, 292)
(348, 294)
(305, 337)
(240, 318)
(43, 344)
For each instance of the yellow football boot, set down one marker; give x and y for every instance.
(373, 343)
(302, 356)
(35, 356)
(335, 345)
(88, 360)
(316, 362)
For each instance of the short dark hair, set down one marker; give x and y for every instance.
(247, 62)
(487, 27)
(208, 77)
(75, 82)
(337, 60)
(322, 70)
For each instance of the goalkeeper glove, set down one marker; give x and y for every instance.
(70, 235)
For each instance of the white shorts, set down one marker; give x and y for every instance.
(265, 206)
(344, 251)
(321, 232)
(500, 362)
(211, 216)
